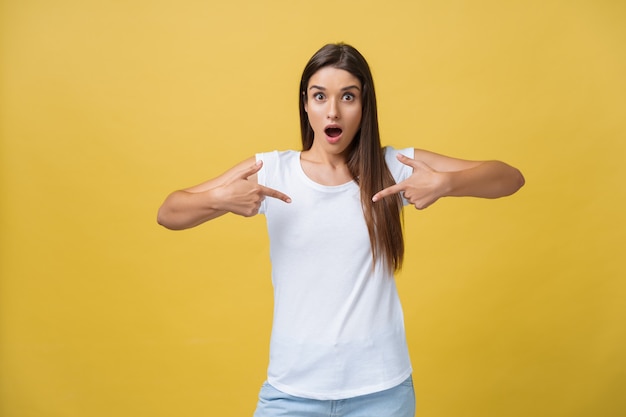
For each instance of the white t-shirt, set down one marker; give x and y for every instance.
(338, 328)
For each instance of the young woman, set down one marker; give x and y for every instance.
(334, 220)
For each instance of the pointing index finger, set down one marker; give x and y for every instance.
(394, 189)
(270, 192)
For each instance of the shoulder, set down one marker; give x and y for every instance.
(275, 158)
(276, 154)
(275, 161)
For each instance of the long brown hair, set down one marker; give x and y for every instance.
(366, 158)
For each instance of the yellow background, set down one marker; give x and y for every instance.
(514, 307)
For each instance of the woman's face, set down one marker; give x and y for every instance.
(334, 108)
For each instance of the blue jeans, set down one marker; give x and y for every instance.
(398, 401)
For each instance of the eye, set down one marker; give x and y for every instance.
(348, 97)
(319, 96)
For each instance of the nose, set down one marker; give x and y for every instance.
(333, 110)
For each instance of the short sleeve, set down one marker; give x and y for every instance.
(265, 174)
(398, 170)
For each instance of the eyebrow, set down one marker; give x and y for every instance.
(350, 87)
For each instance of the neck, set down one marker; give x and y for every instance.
(320, 156)
(324, 168)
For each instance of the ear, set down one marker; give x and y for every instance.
(306, 104)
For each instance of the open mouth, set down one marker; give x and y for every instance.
(333, 132)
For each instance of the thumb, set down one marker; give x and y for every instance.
(244, 174)
(407, 161)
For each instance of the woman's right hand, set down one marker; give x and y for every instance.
(242, 195)
(236, 191)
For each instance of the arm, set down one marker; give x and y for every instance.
(435, 176)
(235, 191)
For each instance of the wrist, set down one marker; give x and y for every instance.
(447, 183)
(214, 199)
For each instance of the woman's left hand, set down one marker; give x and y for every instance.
(422, 188)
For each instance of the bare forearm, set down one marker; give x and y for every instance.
(490, 179)
(183, 210)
